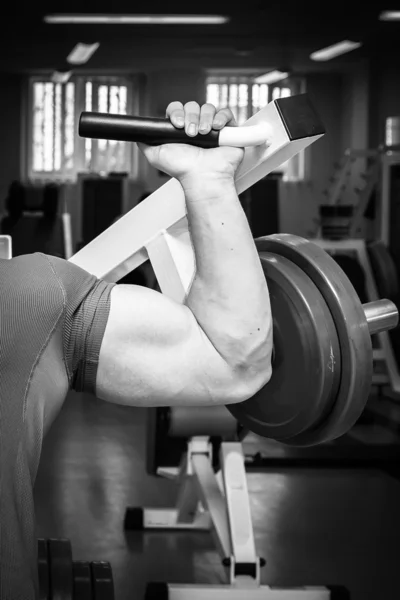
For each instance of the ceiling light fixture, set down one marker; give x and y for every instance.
(81, 53)
(61, 76)
(335, 50)
(110, 19)
(271, 77)
(390, 15)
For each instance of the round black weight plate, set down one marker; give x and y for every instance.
(43, 570)
(350, 265)
(306, 366)
(60, 561)
(351, 326)
(102, 581)
(82, 581)
(384, 269)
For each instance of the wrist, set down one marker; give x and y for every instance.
(203, 185)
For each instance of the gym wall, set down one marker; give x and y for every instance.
(10, 127)
(353, 105)
(384, 91)
(298, 201)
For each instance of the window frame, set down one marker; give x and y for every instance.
(133, 84)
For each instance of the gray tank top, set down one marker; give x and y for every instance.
(53, 316)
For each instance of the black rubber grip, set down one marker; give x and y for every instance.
(153, 132)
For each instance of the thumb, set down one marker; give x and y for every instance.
(150, 152)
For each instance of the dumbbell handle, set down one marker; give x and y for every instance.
(155, 132)
(381, 315)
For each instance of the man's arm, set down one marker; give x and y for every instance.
(154, 353)
(217, 348)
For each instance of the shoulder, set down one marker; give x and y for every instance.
(43, 273)
(42, 286)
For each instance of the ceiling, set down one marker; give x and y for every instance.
(261, 34)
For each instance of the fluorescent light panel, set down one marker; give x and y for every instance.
(335, 50)
(390, 15)
(81, 53)
(101, 19)
(61, 76)
(271, 77)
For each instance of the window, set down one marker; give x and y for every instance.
(245, 98)
(55, 149)
(53, 127)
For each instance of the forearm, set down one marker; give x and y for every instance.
(229, 295)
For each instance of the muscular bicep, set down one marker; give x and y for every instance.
(154, 353)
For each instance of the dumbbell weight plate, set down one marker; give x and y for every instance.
(102, 581)
(306, 365)
(43, 570)
(60, 561)
(351, 326)
(82, 574)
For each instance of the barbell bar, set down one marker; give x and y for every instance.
(381, 315)
(322, 370)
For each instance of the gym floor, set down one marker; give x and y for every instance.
(313, 526)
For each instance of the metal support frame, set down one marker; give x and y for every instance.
(67, 234)
(219, 503)
(372, 179)
(378, 174)
(5, 246)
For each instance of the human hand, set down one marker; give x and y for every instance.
(183, 161)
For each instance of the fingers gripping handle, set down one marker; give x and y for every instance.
(155, 132)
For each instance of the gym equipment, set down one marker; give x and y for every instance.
(351, 267)
(60, 569)
(349, 220)
(161, 131)
(160, 220)
(5, 246)
(335, 220)
(384, 353)
(62, 579)
(35, 223)
(43, 570)
(306, 348)
(82, 581)
(385, 270)
(307, 402)
(212, 497)
(102, 581)
(342, 406)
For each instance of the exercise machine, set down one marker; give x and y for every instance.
(322, 367)
(208, 465)
(38, 222)
(5, 246)
(340, 232)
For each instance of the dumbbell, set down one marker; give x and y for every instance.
(62, 579)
